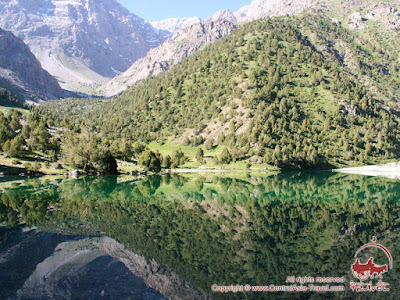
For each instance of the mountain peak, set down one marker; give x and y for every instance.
(224, 14)
(80, 41)
(182, 44)
(264, 8)
(175, 24)
(20, 68)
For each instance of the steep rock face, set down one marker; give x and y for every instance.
(386, 13)
(225, 14)
(47, 265)
(182, 44)
(175, 24)
(264, 8)
(80, 41)
(19, 67)
(356, 21)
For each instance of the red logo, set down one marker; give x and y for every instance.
(370, 269)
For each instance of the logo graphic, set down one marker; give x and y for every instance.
(370, 269)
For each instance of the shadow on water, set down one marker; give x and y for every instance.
(224, 230)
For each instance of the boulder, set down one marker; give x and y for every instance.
(74, 174)
(256, 160)
(356, 21)
(56, 166)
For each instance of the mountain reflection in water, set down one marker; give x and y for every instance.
(196, 231)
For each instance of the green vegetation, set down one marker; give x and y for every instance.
(150, 160)
(280, 89)
(19, 141)
(87, 152)
(10, 99)
(26, 143)
(33, 144)
(222, 229)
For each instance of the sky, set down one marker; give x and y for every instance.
(151, 10)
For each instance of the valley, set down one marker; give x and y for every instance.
(176, 158)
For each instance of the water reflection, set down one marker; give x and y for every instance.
(225, 230)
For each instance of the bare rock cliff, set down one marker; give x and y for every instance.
(175, 24)
(80, 41)
(182, 44)
(20, 68)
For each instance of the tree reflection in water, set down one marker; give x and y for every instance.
(224, 230)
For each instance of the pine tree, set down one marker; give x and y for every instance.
(199, 155)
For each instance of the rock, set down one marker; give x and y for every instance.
(175, 24)
(356, 21)
(225, 14)
(256, 160)
(74, 174)
(56, 166)
(385, 13)
(19, 67)
(81, 41)
(181, 45)
(268, 8)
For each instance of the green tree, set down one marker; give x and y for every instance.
(138, 148)
(16, 147)
(225, 157)
(122, 149)
(150, 161)
(209, 144)
(199, 155)
(5, 135)
(178, 158)
(40, 138)
(167, 162)
(15, 123)
(105, 163)
(86, 151)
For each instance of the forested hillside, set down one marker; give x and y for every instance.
(8, 98)
(300, 92)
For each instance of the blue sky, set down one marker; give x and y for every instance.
(159, 10)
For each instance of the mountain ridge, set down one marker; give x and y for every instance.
(297, 92)
(182, 44)
(20, 70)
(175, 24)
(80, 42)
(377, 12)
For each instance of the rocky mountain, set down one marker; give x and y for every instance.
(225, 14)
(181, 45)
(80, 41)
(256, 10)
(175, 24)
(264, 8)
(268, 89)
(61, 266)
(385, 13)
(19, 69)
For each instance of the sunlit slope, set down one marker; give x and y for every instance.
(299, 92)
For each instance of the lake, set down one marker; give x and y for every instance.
(193, 236)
